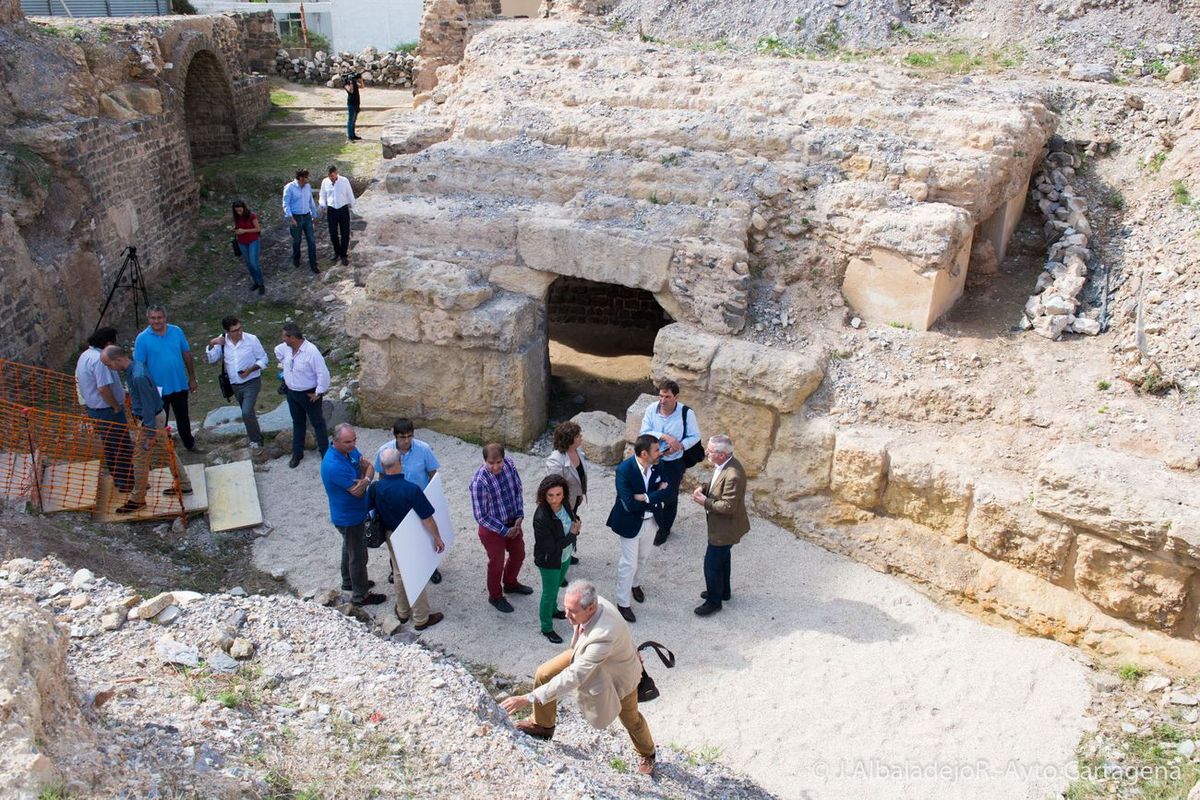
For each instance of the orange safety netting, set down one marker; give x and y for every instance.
(66, 461)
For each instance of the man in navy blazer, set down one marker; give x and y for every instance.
(641, 493)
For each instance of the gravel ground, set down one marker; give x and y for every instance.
(897, 697)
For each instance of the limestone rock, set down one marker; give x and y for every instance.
(37, 703)
(354, 612)
(176, 653)
(329, 597)
(685, 354)
(152, 607)
(167, 615)
(1100, 73)
(430, 283)
(859, 466)
(218, 661)
(1004, 525)
(1180, 74)
(1130, 499)
(241, 648)
(799, 463)
(1051, 327)
(603, 436)
(635, 413)
(82, 579)
(754, 373)
(928, 493)
(567, 247)
(1129, 584)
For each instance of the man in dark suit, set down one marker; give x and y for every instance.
(641, 492)
(724, 501)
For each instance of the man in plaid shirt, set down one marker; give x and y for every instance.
(500, 510)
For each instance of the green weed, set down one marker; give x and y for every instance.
(653, 200)
(54, 792)
(670, 160)
(619, 764)
(405, 47)
(1103, 386)
(1131, 673)
(830, 39)
(904, 326)
(229, 698)
(281, 98)
(1114, 200)
(1180, 193)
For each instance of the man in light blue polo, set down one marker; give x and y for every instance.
(419, 463)
(167, 355)
(299, 210)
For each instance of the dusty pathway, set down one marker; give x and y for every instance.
(822, 679)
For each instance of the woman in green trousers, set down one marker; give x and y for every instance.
(554, 532)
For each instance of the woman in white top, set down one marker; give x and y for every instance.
(567, 460)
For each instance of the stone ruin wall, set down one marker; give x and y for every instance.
(99, 156)
(445, 30)
(647, 177)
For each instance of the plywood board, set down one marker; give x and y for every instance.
(158, 505)
(71, 486)
(16, 476)
(232, 497)
(412, 549)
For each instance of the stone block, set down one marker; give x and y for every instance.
(928, 493)
(799, 463)
(887, 287)
(767, 376)
(603, 436)
(751, 427)
(569, 247)
(634, 414)
(859, 467)
(1122, 497)
(684, 354)
(507, 322)
(1129, 584)
(415, 281)
(1004, 525)
(522, 280)
(381, 320)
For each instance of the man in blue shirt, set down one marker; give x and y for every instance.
(419, 464)
(168, 358)
(299, 210)
(147, 412)
(346, 475)
(391, 498)
(675, 425)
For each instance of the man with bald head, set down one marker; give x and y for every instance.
(346, 475)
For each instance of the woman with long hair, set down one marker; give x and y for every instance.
(554, 533)
(568, 460)
(247, 230)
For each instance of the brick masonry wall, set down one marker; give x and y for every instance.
(88, 182)
(577, 301)
(445, 29)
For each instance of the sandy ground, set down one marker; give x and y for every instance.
(822, 679)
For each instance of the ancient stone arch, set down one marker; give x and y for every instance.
(203, 83)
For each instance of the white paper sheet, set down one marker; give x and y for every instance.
(412, 547)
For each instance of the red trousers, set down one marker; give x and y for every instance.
(496, 546)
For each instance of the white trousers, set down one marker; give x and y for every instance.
(631, 566)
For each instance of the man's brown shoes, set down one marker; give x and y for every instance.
(645, 765)
(528, 726)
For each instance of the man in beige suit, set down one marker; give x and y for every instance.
(724, 501)
(602, 668)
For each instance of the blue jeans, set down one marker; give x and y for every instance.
(351, 115)
(118, 449)
(717, 566)
(250, 259)
(304, 410)
(247, 394)
(303, 223)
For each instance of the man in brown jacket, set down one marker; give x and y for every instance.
(724, 501)
(602, 668)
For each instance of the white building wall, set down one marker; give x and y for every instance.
(381, 24)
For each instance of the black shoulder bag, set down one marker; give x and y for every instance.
(694, 454)
(373, 533)
(647, 691)
(223, 378)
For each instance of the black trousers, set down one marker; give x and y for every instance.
(304, 411)
(177, 403)
(717, 566)
(339, 229)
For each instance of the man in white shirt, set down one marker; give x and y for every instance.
(244, 359)
(307, 381)
(336, 198)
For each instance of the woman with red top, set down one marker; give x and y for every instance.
(247, 229)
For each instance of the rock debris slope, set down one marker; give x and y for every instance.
(304, 699)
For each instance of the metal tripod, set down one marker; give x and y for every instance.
(128, 277)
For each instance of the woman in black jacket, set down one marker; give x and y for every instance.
(554, 532)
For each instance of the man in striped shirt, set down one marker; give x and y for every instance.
(500, 510)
